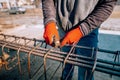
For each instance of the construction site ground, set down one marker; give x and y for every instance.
(30, 25)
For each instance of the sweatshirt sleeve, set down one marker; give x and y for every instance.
(100, 13)
(49, 12)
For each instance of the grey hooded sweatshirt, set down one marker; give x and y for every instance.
(88, 14)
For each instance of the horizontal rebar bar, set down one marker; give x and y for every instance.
(104, 66)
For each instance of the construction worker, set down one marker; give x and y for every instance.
(75, 22)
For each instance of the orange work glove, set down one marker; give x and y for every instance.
(51, 33)
(72, 36)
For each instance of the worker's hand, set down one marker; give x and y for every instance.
(51, 33)
(72, 36)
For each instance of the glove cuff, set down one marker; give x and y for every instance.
(51, 24)
(80, 30)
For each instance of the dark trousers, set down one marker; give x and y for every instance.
(90, 40)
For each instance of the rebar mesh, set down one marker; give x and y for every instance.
(34, 59)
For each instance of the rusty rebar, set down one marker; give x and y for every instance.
(57, 55)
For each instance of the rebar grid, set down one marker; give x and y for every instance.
(40, 49)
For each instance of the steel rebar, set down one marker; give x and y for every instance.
(100, 65)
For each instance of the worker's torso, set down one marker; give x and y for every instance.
(71, 12)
